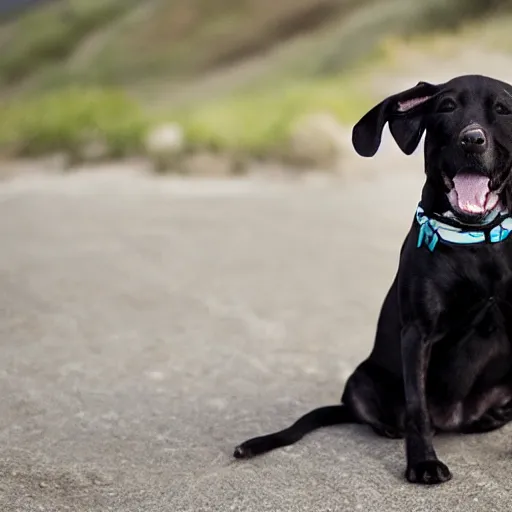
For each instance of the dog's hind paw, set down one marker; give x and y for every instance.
(389, 432)
(429, 472)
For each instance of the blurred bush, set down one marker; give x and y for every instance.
(69, 120)
(260, 123)
(253, 124)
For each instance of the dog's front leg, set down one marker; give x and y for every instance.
(423, 466)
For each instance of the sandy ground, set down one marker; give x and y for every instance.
(149, 325)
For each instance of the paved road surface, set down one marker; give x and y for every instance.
(148, 326)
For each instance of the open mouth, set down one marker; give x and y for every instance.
(471, 194)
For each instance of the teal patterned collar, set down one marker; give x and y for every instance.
(440, 229)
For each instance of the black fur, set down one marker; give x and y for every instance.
(442, 358)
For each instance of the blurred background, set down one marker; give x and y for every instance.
(210, 86)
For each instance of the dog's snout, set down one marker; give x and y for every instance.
(473, 139)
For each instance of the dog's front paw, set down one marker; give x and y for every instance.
(428, 472)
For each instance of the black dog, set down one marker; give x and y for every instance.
(442, 359)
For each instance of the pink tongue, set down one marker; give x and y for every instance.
(472, 191)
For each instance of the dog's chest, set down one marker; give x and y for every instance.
(466, 304)
(476, 287)
(475, 325)
(476, 348)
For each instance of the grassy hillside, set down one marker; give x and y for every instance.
(119, 41)
(51, 33)
(125, 42)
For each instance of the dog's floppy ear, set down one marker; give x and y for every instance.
(404, 112)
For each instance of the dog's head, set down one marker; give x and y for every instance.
(468, 144)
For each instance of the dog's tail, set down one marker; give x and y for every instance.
(322, 417)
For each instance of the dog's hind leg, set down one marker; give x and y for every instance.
(322, 417)
(493, 419)
(489, 410)
(376, 398)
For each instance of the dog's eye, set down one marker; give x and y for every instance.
(502, 110)
(446, 106)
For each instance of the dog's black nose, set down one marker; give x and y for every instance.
(473, 139)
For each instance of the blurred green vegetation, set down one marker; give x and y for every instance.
(259, 123)
(236, 74)
(67, 119)
(255, 124)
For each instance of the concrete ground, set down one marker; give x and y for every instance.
(149, 325)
